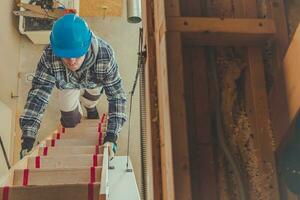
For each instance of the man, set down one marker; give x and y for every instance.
(75, 60)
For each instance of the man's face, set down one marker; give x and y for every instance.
(73, 64)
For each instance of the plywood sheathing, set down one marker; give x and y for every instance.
(94, 8)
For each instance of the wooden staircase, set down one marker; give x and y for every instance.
(69, 165)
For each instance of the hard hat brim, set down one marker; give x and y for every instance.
(71, 53)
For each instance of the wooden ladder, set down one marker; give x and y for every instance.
(69, 165)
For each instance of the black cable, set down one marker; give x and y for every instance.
(141, 61)
(220, 130)
(4, 153)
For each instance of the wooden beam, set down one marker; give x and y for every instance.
(287, 91)
(258, 111)
(178, 116)
(225, 39)
(223, 26)
(174, 145)
(155, 188)
(221, 32)
(164, 122)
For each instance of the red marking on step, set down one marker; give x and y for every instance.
(93, 175)
(45, 151)
(52, 142)
(5, 193)
(100, 138)
(25, 177)
(38, 162)
(63, 130)
(97, 150)
(95, 160)
(99, 127)
(58, 136)
(102, 118)
(91, 191)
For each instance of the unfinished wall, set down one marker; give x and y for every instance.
(9, 56)
(124, 39)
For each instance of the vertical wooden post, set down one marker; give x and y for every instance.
(172, 112)
(155, 180)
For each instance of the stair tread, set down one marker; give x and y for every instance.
(58, 176)
(79, 191)
(65, 161)
(67, 150)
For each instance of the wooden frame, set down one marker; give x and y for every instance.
(171, 31)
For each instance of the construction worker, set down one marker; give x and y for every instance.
(80, 65)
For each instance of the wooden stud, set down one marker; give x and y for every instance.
(219, 25)
(178, 116)
(155, 181)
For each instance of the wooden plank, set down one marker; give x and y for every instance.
(77, 135)
(199, 113)
(222, 32)
(57, 192)
(164, 122)
(225, 39)
(71, 150)
(277, 102)
(172, 7)
(287, 92)
(258, 109)
(154, 167)
(179, 133)
(178, 116)
(94, 8)
(278, 14)
(221, 25)
(57, 176)
(71, 142)
(104, 175)
(49, 162)
(259, 115)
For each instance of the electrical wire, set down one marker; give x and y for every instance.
(141, 61)
(220, 130)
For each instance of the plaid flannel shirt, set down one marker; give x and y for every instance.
(101, 72)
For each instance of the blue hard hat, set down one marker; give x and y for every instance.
(70, 37)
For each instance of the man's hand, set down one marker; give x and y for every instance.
(112, 149)
(26, 145)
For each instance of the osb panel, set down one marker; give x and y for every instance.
(94, 8)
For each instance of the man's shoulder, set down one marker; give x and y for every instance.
(105, 49)
(50, 60)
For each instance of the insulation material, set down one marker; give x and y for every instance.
(231, 63)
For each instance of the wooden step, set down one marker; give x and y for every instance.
(73, 142)
(57, 176)
(50, 162)
(86, 130)
(78, 135)
(82, 191)
(70, 150)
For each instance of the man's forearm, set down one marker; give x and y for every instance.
(117, 117)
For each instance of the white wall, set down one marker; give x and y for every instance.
(9, 56)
